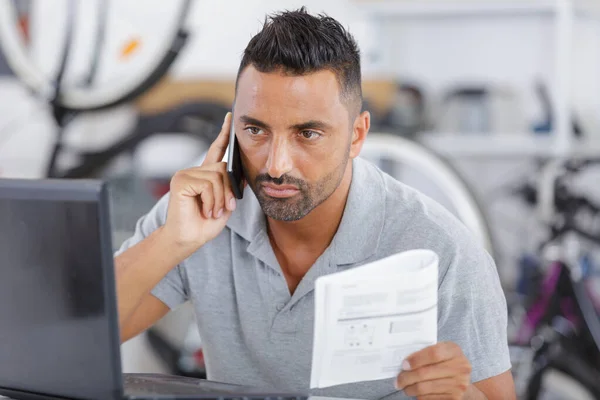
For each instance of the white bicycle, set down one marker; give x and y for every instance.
(76, 67)
(434, 176)
(76, 96)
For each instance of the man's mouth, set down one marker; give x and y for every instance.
(280, 191)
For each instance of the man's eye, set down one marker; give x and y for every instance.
(254, 130)
(310, 134)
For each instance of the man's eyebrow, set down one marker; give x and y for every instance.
(253, 121)
(313, 124)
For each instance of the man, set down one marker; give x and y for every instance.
(311, 207)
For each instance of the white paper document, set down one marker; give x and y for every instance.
(368, 319)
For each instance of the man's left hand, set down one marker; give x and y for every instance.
(440, 371)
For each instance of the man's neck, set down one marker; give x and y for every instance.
(314, 232)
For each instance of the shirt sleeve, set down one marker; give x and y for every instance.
(472, 312)
(172, 290)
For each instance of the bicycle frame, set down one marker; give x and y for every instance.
(561, 296)
(167, 122)
(574, 347)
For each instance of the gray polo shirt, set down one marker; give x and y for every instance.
(254, 332)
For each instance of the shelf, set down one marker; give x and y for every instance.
(502, 145)
(492, 8)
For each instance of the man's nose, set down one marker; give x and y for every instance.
(279, 161)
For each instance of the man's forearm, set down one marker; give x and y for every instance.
(139, 269)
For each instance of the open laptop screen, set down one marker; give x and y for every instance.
(55, 331)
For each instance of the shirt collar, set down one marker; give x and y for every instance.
(358, 234)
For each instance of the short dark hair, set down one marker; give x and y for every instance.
(299, 43)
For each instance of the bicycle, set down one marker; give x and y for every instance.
(67, 102)
(560, 320)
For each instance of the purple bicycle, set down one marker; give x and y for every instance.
(560, 323)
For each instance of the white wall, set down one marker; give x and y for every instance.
(223, 28)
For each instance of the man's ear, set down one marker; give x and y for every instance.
(362, 123)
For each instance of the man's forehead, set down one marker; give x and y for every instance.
(317, 90)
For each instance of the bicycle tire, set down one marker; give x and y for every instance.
(464, 199)
(166, 122)
(78, 98)
(569, 367)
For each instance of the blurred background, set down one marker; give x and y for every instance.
(491, 107)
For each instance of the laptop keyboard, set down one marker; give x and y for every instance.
(149, 385)
(144, 386)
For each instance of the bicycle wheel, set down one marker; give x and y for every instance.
(383, 147)
(80, 97)
(555, 384)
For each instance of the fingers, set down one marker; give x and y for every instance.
(210, 184)
(443, 370)
(229, 199)
(207, 199)
(447, 386)
(439, 369)
(194, 184)
(217, 149)
(213, 200)
(433, 354)
(226, 198)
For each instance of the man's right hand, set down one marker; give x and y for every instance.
(201, 199)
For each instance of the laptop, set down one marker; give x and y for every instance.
(59, 335)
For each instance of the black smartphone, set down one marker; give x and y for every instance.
(234, 164)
